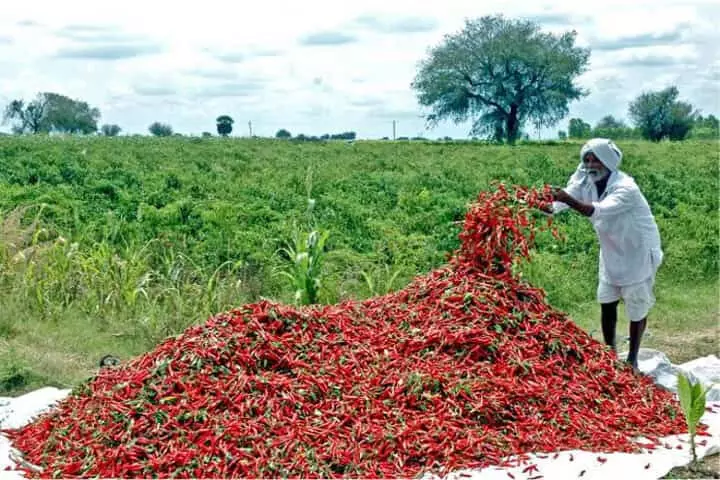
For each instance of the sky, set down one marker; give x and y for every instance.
(317, 67)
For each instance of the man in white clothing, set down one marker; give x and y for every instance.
(630, 248)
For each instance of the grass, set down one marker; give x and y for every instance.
(63, 353)
(684, 324)
(687, 322)
(109, 245)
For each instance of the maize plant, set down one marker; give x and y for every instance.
(692, 400)
(304, 265)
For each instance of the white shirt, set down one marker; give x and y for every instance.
(630, 248)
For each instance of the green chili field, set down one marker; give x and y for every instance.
(109, 245)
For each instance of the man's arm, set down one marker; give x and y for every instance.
(618, 202)
(574, 187)
(561, 195)
(615, 203)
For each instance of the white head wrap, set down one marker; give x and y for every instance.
(605, 150)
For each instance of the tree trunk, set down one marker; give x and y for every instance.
(512, 125)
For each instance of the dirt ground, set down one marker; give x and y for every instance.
(709, 467)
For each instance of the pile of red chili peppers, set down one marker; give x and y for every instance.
(462, 368)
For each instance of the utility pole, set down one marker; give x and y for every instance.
(394, 129)
(250, 128)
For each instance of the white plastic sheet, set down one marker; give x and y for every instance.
(15, 412)
(574, 464)
(18, 411)
(705, 370)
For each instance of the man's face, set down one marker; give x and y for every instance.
(594, 167)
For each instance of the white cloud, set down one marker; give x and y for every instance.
(327, 38)
(315, 68)
(396, 24)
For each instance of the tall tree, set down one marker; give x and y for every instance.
(610, 127)
(160, 129)
(224, 125)
(661, 115)
(110, 130)
(28, 118)
(608, 121)
(502, 73)
(52, 112)
(282, 133)
(67, 115)
(578, 128)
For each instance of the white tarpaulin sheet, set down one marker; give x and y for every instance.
(15, 412)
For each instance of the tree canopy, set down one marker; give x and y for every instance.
(578, 128)
(502, 73)
(160, 129)
(66, 115)
(224, 125)
(608, 121)
(52, 112)
(661, 115)
(110, 130)
(706, 127)
(28, 118)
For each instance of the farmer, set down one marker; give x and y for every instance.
(630, 249)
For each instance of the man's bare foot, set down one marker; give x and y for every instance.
(634, 364)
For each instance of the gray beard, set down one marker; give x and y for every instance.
(598, 175)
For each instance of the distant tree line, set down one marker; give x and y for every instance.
(656, 116)
(285, 134)
(50, 113)
(500, 73)
(55, 113)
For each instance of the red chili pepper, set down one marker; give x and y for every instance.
(463, 367)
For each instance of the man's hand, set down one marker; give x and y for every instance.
(561, 195)
(548, 209)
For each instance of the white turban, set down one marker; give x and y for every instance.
(605, 150)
